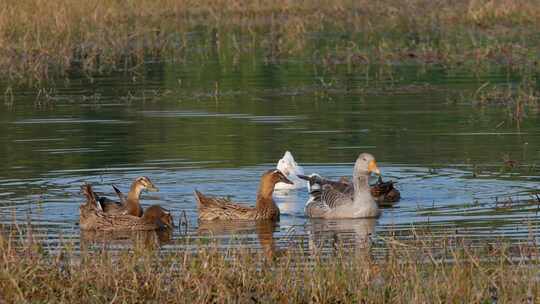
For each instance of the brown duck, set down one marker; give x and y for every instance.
(130, 204)
(92, 217)
(214, 208)
(384, 193)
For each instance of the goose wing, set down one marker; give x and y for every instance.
(334, 198)
(324, 200)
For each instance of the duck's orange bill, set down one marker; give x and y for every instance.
(372, 167)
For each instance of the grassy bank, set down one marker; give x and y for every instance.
(44, 38)
(452, 273)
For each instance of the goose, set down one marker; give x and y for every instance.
(327, 202)
(385, 194)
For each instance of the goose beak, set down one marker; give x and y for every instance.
(372, 167)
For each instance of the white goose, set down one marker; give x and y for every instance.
(291, 170)
(327, 202)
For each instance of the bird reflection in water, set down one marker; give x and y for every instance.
(263, 229)
(125, 239)
(326, 236)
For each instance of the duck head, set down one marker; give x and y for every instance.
(269, 180)
(314, 181)
(161, 217)
(272, 177)
(365, 165)
(143, 183)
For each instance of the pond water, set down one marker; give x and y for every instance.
(216, 128)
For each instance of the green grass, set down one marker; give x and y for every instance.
(94, 36)
(438, 271)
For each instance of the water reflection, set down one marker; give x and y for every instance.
(124, 239)
(321, 236)
(262, 230)
(327, 235)
(290, 201)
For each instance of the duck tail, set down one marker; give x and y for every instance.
(201, 199)
(88, 192)
(91, 196)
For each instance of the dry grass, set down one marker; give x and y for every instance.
(406, 273)
(519, 100)
(40, 38)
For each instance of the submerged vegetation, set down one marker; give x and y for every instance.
(99, 36)
(448, 271)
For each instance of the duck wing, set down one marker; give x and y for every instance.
(120, 195)
(102, 203)
(108, 205)
(218, 208)
(318, 182)
(112, 207)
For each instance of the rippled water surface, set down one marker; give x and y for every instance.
(461, 169)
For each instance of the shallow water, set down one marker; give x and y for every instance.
(216, 128)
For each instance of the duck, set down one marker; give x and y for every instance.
(385, 194)
(93, 217)
(342, 185)
(326, 201)
(129, 204)
(291, 170)
(218, 208)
